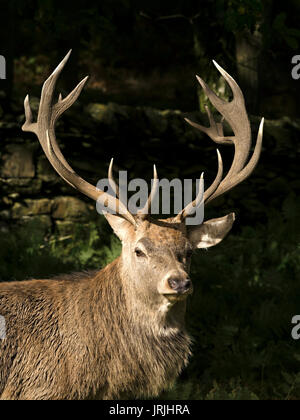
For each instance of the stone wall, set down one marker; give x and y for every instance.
(31, 191)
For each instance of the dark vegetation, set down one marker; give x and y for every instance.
(145, 54)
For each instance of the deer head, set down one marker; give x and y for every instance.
(156, 253)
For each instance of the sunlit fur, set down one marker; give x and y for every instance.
(90, 335)
(110, 334)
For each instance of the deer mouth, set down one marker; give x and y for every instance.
(177, 296)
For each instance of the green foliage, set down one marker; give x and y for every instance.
(88, 247)
(281, 30)
(23, 254)
(26, 254)
(233, 390)
(241, 14)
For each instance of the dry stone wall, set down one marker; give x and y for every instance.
(31, 191)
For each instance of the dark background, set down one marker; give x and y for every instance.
(142, 58)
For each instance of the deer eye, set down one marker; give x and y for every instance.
(139, 253)
(180, 257)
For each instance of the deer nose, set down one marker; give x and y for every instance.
(179, 284)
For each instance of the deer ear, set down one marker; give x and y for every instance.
(212, 232)
(120, 226)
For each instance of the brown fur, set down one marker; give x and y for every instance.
(84, 336)
(117, 333)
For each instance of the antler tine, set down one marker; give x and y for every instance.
(191, 207)
(49, 86)
(215, 131)
(63, 104)
(217, 179)
(235, 114)
(111, 180)
(246, 171)
(44, 128)
(28, 125)
(144, 212)
(48, 114)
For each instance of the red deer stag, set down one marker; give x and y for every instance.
(119, 332)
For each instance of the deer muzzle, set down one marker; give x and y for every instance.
(176, 286)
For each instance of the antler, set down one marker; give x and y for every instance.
(44, 128)
(235, 114)
(143, 213)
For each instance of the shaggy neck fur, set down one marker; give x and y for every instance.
(84, 336)
(149, 358)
